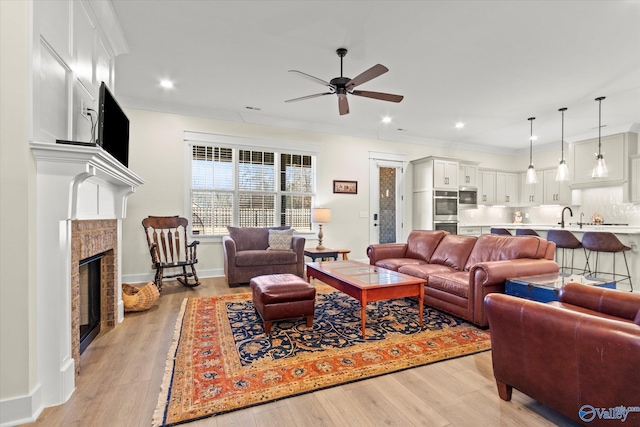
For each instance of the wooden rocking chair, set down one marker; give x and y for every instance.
(167, 240)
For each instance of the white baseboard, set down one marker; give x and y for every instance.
(21, 410)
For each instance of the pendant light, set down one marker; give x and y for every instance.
(563, 169)
(532, 177)
(599, 167)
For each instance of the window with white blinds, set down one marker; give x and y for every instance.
(249, 188)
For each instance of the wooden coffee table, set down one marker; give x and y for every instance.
(366, 283)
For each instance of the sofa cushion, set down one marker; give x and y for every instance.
(280, 240)
(395, 263)
(422, 243)
(423, 271)
(453, 251)
(492, 247)
(252, 258)
(252, 238)
(453, 283)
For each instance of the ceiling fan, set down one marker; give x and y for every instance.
(342, 86)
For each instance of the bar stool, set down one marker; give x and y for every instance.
(565, 240)
(526, 232)
(502, 231)
(602, 241)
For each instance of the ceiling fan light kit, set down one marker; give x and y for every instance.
(599, 167)
(532, 177)
(343, 86)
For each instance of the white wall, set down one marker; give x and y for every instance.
(157, 156)
(17, 225)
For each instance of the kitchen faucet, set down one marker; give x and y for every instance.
(562, 216)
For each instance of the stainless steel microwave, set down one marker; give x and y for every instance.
(468, 198)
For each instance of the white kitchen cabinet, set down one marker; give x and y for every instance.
(615, 150)
(470, 230)
(532, 194)
(432, 173)
(468, 176)
(486, 187)
(635, 179)
(555, 192)
(422, 210)
(445, 174)
(507, 189)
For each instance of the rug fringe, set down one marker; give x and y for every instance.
(158, 414)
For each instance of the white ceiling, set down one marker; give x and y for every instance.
(489, 64)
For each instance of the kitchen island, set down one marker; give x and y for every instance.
(629, 236)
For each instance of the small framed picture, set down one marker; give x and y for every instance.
(345, 187)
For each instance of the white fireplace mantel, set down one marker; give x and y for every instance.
(72, 183)
(80, 163)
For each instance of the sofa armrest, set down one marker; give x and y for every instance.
(607, 301)
(229, 250)
(490, 276)
(386, 250)
(297, 244)
(563, 358)
(497, 272)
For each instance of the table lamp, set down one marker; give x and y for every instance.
(320, 216)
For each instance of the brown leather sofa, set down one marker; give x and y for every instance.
(461, 270)
(579, 356)
(246, 255)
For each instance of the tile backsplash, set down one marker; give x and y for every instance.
(605, 201)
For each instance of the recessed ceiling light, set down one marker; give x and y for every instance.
(533, 137)
(386, 119)
(459, 125)
(168, 84)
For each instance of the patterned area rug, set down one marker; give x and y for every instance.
(221, 360)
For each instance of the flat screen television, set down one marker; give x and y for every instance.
(113, 127)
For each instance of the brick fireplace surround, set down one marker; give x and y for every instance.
(89, 238)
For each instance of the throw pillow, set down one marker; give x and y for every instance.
(280, 240)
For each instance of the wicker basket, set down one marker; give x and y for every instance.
(139, 299)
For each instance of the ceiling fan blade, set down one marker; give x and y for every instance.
(364, 77)
(378, 95)
(302, 98)
(310, 77)
(343, 104)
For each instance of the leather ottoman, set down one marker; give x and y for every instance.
(283, 296)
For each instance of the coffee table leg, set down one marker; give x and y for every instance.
(421, 303)
(363, 314)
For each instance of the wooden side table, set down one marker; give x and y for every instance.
(321, 253)
(344, 253)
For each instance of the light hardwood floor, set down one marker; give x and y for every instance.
(121, 371)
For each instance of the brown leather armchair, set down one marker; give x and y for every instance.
(579, 356)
